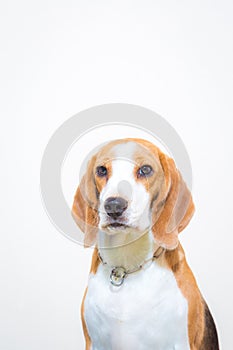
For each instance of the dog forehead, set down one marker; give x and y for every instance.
(127, 149)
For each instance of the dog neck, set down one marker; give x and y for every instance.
(127, 250)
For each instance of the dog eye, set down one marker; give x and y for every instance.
(101, 171)
(145, 170)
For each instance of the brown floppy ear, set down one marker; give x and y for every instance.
(84, 209)
(176, 207)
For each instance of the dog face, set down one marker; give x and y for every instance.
(125, 187)
(131, 186)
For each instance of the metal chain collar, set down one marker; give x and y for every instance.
(119, 273)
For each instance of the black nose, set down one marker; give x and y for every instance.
(115, 206)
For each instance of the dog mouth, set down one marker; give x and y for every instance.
(115, 226)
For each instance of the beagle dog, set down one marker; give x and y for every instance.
(131, 204)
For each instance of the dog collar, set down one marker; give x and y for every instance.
(119, 273)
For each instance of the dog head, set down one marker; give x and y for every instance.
(131, 186)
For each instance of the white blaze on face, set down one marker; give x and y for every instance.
(122, 183)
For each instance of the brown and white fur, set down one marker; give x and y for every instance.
(159, 306)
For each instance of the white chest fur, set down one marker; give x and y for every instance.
(148, 312)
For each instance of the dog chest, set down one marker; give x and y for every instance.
(147, 312)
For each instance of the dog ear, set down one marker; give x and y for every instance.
(172, 213)
(85, 205)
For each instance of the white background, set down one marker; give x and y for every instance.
(60, 57)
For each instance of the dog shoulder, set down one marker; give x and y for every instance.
(210, 339)
(201, 326)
